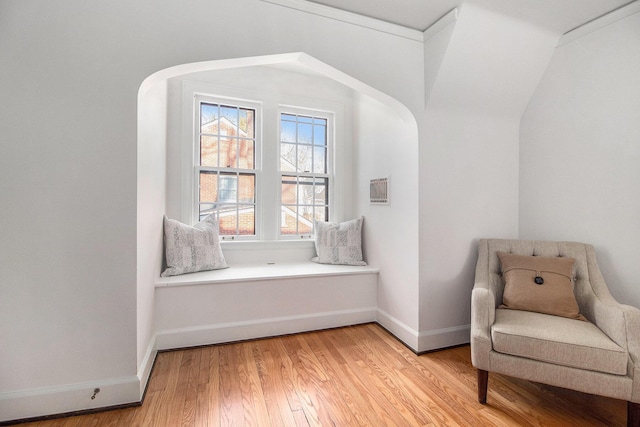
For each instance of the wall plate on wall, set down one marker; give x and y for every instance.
(379, 191)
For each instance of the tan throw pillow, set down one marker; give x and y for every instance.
(540, 284)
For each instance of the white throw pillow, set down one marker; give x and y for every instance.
(189, 249)
(339, 243)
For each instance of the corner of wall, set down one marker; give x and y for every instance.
(409, 336)
(436, 41)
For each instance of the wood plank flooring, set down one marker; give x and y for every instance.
(352, 376)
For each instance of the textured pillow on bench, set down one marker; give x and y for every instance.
(339, 243)
(189, 249)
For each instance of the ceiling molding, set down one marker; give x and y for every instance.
(350, 17)
(600, 22)
(441, 24)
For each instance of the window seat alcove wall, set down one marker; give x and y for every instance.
(251, 305)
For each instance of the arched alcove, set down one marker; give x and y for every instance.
(384, 143)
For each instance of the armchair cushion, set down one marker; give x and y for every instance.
(557, 340)
(538, 283)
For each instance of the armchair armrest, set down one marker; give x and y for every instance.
(483, 310)
(483, 314)
(632, 323)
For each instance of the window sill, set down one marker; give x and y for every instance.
(266, 271)
(242, 245)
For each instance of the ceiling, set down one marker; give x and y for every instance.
(556, 15)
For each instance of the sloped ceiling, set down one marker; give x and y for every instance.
(559, 16)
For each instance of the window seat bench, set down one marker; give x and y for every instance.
(248, 301)
(265, 271)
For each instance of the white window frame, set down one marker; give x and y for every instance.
(329, 116)
(198, 99)
(268, 185)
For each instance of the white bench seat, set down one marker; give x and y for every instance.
(265, 271)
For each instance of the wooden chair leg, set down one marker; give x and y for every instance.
(483, 382)
(633, 414)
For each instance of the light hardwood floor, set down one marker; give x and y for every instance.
(352, 376)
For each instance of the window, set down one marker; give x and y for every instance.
(262, 164)
(226, 166)
(303, 173)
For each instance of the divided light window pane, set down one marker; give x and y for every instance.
(304, 173)
(226, 167)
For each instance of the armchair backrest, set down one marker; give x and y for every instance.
(592, 294)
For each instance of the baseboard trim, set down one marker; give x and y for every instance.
(146, 366)
(69, 414)
(398, 329)
(421, 342)
(444, 338)
(260, 328)
(66, 399)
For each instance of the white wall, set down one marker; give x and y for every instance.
(385, 136)
(580, 152)
(75, 308)
(489, 66)
(68, 196)
(151, 199)
(72, 315)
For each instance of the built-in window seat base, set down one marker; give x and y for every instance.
(259, 300)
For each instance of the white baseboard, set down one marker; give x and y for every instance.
(400, 330)
(424, 341)
(68, 398)
(260, 328)
(71, 398)
(146, 365)
(443, 338)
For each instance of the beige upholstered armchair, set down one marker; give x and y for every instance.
(600, 355)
